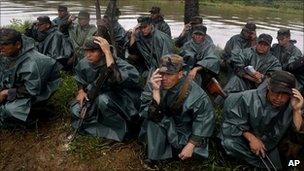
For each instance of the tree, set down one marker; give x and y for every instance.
(191, 9)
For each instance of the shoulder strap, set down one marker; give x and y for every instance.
(181, 95)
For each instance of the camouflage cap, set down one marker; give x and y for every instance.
(89, 44)
(250, 26)
(282, 82)
(83, 14)
(62, 8)
(196, 20)
(155, 10)
(200, 29)
(171, 64)
(283, 32)
(9, 36)
(44, 19)
(265, 38)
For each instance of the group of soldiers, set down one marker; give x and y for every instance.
(148, 90)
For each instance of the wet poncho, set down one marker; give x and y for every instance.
(263, 63)
(201, 54)
(251, 111)
(60, 22)
(193, 120)
(160, 24)
(287, 56)
(116, 103)
(30, 77)
(56, 46)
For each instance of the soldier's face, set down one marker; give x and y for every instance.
(198, 38)
(146, 29)
(262, 48)
(62, 13)
(43, 27)
(277, 99)
(283, 40)
(10, 50)
(83, 21)
(170, 80)
(93, 55)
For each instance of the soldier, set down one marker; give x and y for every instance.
(116, 103)
(287, 52)
(246, 39)
(179, 116)
(199, 56)
(158, 21)
(79, 32)
(51, 42)
(147, 45)
(62, 19)
(26, 78)
(186, 34)
(255, 120)
(261, 63)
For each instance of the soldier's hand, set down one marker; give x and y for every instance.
(81, 96)
(192, 73)
(187, 151)
(257, 146)
(155, 80)
(296, 100)
(103, 43)
(258, 77)
(3, 95)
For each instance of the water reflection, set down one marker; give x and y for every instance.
(222, 24)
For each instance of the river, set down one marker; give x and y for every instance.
(222, 23)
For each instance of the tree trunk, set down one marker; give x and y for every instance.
(191, 9)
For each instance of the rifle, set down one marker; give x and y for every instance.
(92, 95)
(102, 30)
(111, 12)
(266, 165)
(214, 87)
(296, 67)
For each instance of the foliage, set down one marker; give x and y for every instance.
(19, 25)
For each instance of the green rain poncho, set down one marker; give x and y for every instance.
(235, 43)
(160, 24)
(203, 55)
(78, 36)
(117, 102)
(263, 63)
(60, 22)
(251, 111)
(30, 77)
(194, 120)
(55, 45)
(153, 47)
(287, 56)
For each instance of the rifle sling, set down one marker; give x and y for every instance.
(181, 96)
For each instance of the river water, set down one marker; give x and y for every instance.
(222, 23)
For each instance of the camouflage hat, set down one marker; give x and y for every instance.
(249, 27)
(142, 21)
(265, 38)
(282, 82)
(89, 44)
(171, 64)
(196, 20)
(44, 19)
(9, 36)
(62, 8)
(83, 14)
(155, 10)
(200, 29)
(283, 32)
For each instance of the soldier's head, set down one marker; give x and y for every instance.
(280, 87)
(155, 12)
(249, 30)
(196, 20)
(93, 52)
(145, 25)
(62, 11)
(10, 42)
(83, 18)
(43, 23)
(171, 69)
(264, 44)
(283, 37)
(199, 33)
